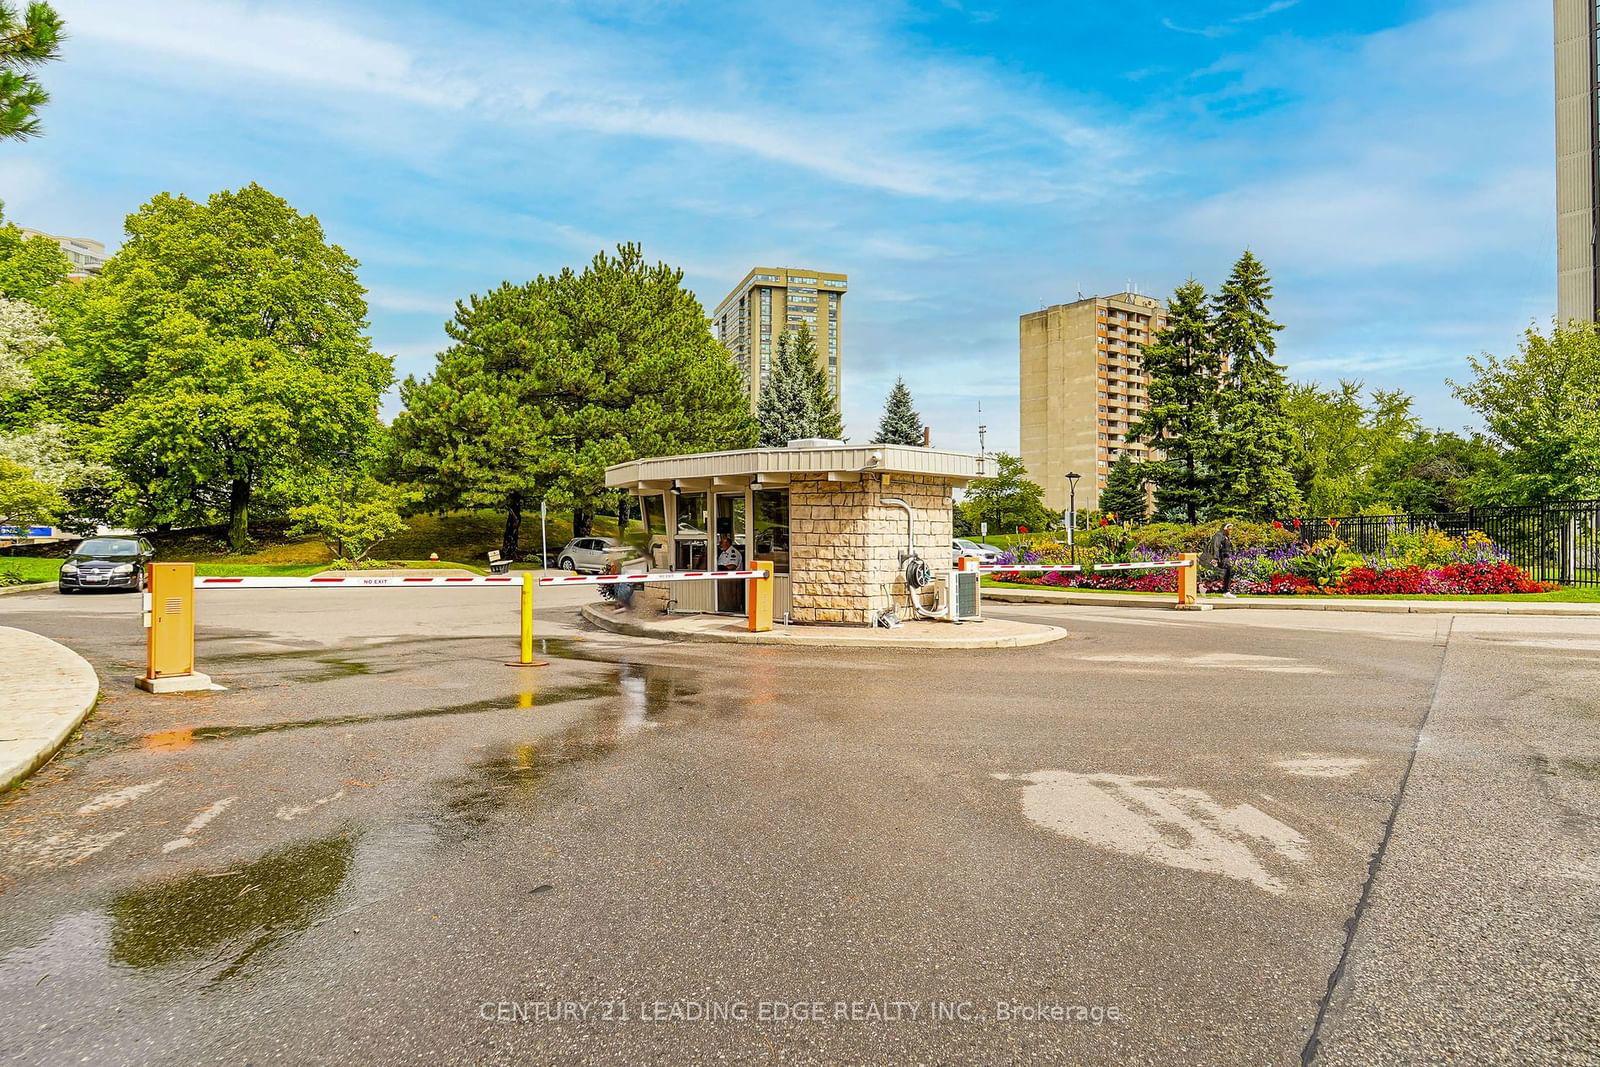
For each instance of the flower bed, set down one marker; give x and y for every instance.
(1429, 564)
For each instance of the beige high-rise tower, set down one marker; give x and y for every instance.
(1576, 171)
(771, 300)
(1083, 387)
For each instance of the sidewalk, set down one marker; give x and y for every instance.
(1084, 598)
(46, 690)
(991, 633)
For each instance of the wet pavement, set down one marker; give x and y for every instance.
(1145, 843)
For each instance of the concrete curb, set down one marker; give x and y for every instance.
(31, 587)
(46, 691)
(1396, 607)
(819, 636)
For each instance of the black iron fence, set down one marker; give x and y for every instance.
(1558, 542)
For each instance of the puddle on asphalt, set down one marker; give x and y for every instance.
(228, 916)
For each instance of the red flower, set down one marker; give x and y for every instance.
(1105, 521)
(1333, 524)
(1297, 524)
(1276, 525)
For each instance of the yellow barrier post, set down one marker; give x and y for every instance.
(758, 598)
(529, 579)
(1189, 581)
(169, 625)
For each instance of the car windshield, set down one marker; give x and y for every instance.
(109, 546)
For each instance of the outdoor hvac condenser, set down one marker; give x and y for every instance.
(965, 600)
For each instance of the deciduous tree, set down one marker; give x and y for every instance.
(1006, 500)
(1341, 438)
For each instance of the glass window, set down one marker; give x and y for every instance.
(689, 540)
(655, 513)
(772, 528)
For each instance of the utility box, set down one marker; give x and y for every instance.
(966, 603)
(169, 622)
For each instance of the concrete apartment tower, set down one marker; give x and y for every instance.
(1083, 387)
(771, 300)
(1576, 171)
(86, 254)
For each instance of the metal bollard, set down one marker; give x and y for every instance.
(529, 579)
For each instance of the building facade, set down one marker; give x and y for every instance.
(1577, 143)
(1083, 387)
(86, 255)
(771, 300)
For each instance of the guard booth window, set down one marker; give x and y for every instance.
(772, 528)
(690, 548)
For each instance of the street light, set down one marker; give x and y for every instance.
(1072, 510)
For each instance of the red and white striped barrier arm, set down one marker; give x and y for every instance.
(999, 568)
(374, 581)
(656, 576)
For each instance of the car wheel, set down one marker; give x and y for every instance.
(565, 564)
(64, 590)
(138, 581)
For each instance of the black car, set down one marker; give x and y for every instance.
(106, 563)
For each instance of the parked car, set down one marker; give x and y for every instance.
(962, 547)
(591, 555)
(106, 563)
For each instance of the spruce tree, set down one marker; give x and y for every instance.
(785, 411)
(900, 425)
(1254, 453)
(1123, 495)
(1181, 420)
(826, 419)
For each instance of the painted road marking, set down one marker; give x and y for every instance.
(1226, 660)
(289, 814)
(198, 823)
(109, 801)
(1181, 828)
(1311, 765)
(64, 849)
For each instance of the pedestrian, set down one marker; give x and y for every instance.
(1222, 556)
(728, 557)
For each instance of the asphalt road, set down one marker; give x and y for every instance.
(1172, 838)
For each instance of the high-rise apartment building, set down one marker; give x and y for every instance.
(1577, 170)
(1083, 387)
(771, 300)
(86, 255)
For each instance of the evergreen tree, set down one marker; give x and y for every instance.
(900, 425)
(1124, 495)
(826, 419)
(1255, 449)
(784, 411)
(27, 40)
(1181, 420)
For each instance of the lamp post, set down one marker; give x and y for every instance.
(1072, 511)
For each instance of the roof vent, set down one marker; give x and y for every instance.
(815, 442)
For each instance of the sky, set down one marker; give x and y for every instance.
(964, 161)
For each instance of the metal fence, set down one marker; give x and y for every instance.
(1557, 542)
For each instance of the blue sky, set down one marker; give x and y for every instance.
(965, 162)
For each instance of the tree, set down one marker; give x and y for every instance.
(26, 42)
(1340, 439)
(352, 512)
(1254, 445)
(1181, 420)
(900, 425)
(25, 498)
(1542, 407)
(25, 334)
(219, 355)
(824, 402)
(30, 267)
(1124, 494)
(1439, 471)
(1006, 500)
(548, 383)
(786, 409)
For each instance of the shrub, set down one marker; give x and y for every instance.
(11, 576)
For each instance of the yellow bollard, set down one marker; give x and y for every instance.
(529, 578)
(758, 599)
(1189, 580)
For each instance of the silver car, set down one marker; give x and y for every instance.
(962, 547)
(591, 555)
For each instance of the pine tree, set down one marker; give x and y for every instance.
(1181, 420)
(1254, 452)
(785, 411)
(900, 425)
(27, 39)
(827, 421)
(1123, 495)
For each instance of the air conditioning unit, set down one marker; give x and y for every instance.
(964, 596)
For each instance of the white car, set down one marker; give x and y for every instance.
(591, 555)
(962, 547)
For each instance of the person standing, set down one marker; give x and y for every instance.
(1222, 556)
